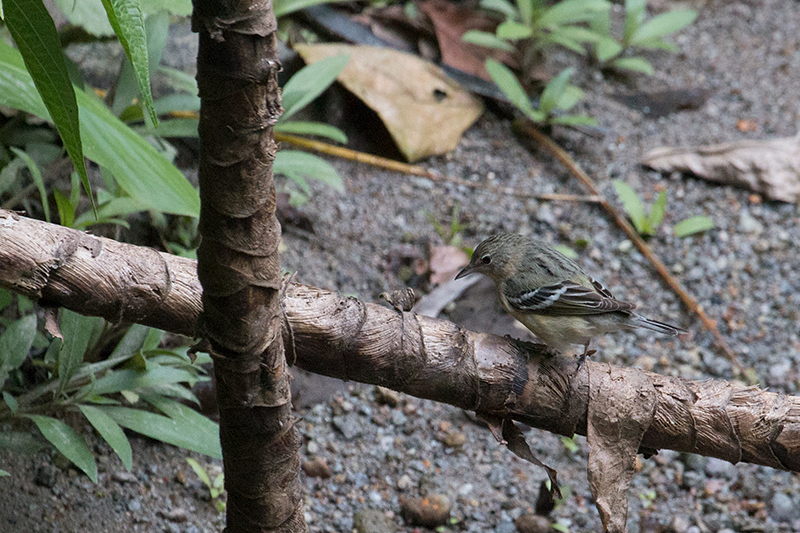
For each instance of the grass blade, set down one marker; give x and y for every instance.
(111, 432)
(68, 443)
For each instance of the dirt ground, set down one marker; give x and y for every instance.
(743, 273)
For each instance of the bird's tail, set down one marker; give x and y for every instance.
(654, 325)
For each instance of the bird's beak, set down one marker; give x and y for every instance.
(466, 271)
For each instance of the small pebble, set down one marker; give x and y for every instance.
(532, 523)
(431, 511)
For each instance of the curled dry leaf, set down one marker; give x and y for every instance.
(423, 109)
(770, 168)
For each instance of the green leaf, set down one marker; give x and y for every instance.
(68, 443)
(37, 39)
(11, 402)
(200, 471)
(111, 432)
(295, 164)
(129, 379)
(182, 8)
(15, 342)
(318, 129)
(578, 34)
(77, 331)
(309, 82)
(656, 215)
(131, 342)
(634, 16)
(179, 80)
(693, 225)
(138, 168)
(286, 7)
(510, 86)
(525, 10)
(631, 203)
(127, 20)
(176, 127)
(554, 91)
(636, 64)
(663, 24)
(66, 211)
(512, 31)
(115, 207)
(571, 11)
(202, 438)
(566, 251)
(487, 40)
(87, 14)
(607, 48)
(573, 120)
(36, 174)
(500, 6)
(177, 102)
(3, 473)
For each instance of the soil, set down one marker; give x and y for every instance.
(743, 273)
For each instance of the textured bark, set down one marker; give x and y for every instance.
(424, 357)
(238, 263)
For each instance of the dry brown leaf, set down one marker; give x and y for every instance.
(622, 404)
(771, 168)
(425, 111)
(445, 262)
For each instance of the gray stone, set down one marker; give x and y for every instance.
(373, 521)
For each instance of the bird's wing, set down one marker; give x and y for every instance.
(567, 298)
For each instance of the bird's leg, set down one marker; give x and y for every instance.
(586, 353)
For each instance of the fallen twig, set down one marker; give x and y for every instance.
(416, 170)
(529, 130)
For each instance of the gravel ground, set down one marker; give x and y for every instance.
(748, 55)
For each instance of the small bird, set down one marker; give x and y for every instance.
(551, 295)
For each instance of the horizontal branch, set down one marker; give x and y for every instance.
(425, 357)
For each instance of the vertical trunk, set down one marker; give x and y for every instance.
(238, 263)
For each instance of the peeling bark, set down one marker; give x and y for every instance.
(425, 357)
(238, 263)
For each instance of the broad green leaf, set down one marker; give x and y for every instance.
(578, 34)
(128, 379)
(555, 37)
(510, 86)
(127, 20)
(569, 98)
(309, 82)
(39, 46)
(636, 64)
(36, 174)
(138, 168)
(634, 16)
(182, 8)
(318, 129)
(554, 90)
(68, 443)
(199, 438)
(177, 102)
(295, 164)
(693, 225)
(631, 203)
(77, 331)
(512, 31)
(573, 120)
(570, 11)
(663, 24)
(11, 402)
(487, 40)
(66, 211)
(179, 80)
(286, 7)
(20, 442)
(132, 341)
(15, 342)
(206, 430)
(111, 432)
(607, 48)
(500, 6)
(601, 24)
(108, 211)
(657, 44)
(3, 473)
(170, 128)
(87, 14)
(656, 215)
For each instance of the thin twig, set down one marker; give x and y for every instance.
(416, 170)
(529, 130)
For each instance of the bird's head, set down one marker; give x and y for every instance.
(496, 257)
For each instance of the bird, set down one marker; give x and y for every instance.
(552, 296)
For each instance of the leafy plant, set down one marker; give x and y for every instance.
(557, 98)
(452, 234)
(216, 488)
(71, 377)
(647, 224)
(638, 33)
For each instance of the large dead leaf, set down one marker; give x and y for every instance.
(425, 112)
(770, 168)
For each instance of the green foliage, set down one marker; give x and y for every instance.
(647, 224)
(216, 488)
(647, 498)
(570, 444)
(638, 33)
(452, 235)
(557, 98)
(72, 379)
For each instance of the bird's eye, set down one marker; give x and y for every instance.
(486, 259)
